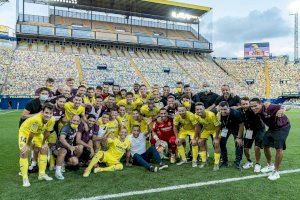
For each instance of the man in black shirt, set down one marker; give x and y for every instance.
(231, 123)
(35, 105)
(206, 96)
(233, 101)
(254, 131)
(166, 94)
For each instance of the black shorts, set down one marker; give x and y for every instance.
(276, 138)
(258, 136)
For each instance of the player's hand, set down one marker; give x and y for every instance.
(72, 148)
(128, 164)
(92, 152)
(239, 142)
(280, 113)
(24, 149)
(177, 141)
(193, 142)
(149, 120)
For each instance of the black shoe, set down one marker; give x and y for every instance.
(237, 165)
(153, 169)
(224, 165)
(35, 169)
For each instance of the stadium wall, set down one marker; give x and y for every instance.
(14, 102)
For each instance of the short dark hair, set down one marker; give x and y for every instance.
(143, 85)
(185, 96)
(123, 90)
(129, 93)
(225, 85)
(224, 103)
(136, 125)
(91, 116)
(162, 109)
(179, 82)
(171, 97)
(60, 96)
(77, 96)
(245, 99)
(111, 95)
(70, 79)
(256, 100)
(99, 97)
(44, 89)
(166, 86)
(98, 87)
(116, 86)
(50, 80)
(186, 86)
(49, 106)
(90, 88)
(81, 86)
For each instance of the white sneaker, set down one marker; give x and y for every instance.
(32, 165)
(181, 162)
(248, 165)
(194, 164)
(26, 183)
(267, 169)
(274, 176)
(257, 168)
(45, 177)
(59, 175)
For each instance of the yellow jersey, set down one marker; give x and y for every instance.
(187, 123)
(123, 120)
(132, 122)
(87, 100)
(70, 111)
(36, 125)
(210, 121)
(130, 107)
(111, 127)
(117, 148)
(149, 113)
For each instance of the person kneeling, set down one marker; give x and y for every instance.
(116, 149)
(140, 155)
(65, 149)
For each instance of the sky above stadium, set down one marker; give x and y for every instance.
(235, 22)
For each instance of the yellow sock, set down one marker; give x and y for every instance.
(97, 157)
(111, 168)
(24, 167)
(181, 152)
(42, 162)
(217, 158)
(203, 156)
(52, 161)
(195, 152)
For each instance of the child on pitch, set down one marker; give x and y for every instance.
(117, 147)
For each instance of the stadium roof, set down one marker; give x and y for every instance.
(157, 9)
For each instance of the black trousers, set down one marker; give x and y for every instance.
(238, 149)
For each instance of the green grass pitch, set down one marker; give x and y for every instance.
(136, 178)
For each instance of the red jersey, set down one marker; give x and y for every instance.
(164, 129)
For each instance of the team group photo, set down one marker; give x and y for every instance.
(130, 99)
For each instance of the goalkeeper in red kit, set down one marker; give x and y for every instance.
(163, 133)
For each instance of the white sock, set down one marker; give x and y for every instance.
(58, 168)
(33, 163)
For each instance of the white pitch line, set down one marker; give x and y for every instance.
(184, 186)
(8, 112)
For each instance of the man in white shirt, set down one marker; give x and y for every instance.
(140, 155)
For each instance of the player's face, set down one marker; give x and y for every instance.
(171, 102)
(105, 89)
(77, 101)
(245, 104)
(182, 111)
(99, 102)
(136, 88)
(135, 115)
(136, 132)
(114, 114)
(61, 102)
(156, 95)
(47, 114)
(116, 90)
(129, 98)
(44, 95)
(66, 91)
(70, 83)
(123, 133)
(143, 90)
(123, 94)
(90, 93)
(224, 111)
(163, 114)
(75, 120)
(81, 91)
(187, 90)
(98, 92)
(91, 122)
(105, 118)
(122, 111)
(225, 90)
(111, 100)
(151, 105)
(50, 85)
(255, 107)
(199, 110)
(166, 91)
